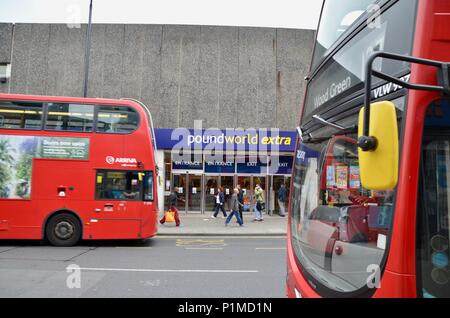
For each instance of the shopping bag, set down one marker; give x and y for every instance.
(169, 216)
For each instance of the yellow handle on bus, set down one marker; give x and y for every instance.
(379, 167)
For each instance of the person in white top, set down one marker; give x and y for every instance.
(220, 201)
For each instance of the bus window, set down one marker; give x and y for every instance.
(20, 115)
(339, 229)
(124, 185)
(434, 204)
(69, 117)
(148, 186)
(117, 119)
(337, 17)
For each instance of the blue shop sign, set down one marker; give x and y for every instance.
(252, 166)
(187, 165)
(280, 164)
(219, 165)
(226, 140)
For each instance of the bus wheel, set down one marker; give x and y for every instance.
(63, 230)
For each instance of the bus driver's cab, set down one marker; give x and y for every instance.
(369, 216)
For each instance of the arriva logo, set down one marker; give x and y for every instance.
(111, 160)
(126, 160)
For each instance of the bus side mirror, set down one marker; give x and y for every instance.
(379, 165)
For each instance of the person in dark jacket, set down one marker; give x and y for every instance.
(220, 204)
(173, 200)
(282, 196)
(241, 201)
(234, 208)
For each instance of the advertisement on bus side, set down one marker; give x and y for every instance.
(16, 157)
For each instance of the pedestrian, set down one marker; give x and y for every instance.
(220, 201)
(241, 201)
(282, 196)
(260, 201)
(173, 200)
(234, 208)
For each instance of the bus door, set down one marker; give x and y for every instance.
(119, 204)
(433, 210)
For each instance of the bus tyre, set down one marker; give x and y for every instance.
(63, 230)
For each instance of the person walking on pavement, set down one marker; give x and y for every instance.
(173, 200)
(234, 205)
(260, 201)
(220, 201)
(282, 196)
(241, 201)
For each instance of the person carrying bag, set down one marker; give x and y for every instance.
(172, 214)
(260, 204)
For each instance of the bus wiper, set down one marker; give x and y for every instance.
(322, 121)
(300, 133)
(308, 138)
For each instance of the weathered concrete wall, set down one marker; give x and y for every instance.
(6, 31)
(226, 76)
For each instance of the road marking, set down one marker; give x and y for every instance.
(199, 243)
(203, 248)
(270, 248)
(167, 270)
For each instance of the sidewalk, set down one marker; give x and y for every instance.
(204, 225)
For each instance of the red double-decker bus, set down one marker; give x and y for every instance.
(370, 206)
(76, 168)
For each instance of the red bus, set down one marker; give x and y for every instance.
(76, 168)
(370, 206)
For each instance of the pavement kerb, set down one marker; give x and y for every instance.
(224, 234)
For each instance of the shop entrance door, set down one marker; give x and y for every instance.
(195, 191)
(227, 183)
(190, 192)
(179, 183)
(211, 185)
(275, 186)
(261, 180)
(248, 184)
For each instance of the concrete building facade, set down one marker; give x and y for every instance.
(225, 76)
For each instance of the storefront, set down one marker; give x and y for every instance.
(198, 162)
